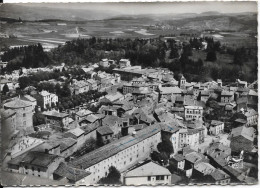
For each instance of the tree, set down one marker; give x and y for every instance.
(165, 146)
(5, 89)
(211, 56)
(113, 177)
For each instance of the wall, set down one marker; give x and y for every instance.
(144, 180)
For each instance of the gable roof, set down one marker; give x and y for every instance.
(148, 169)
(169, 90)
(246, 132)
(71, 173)
(104, 130)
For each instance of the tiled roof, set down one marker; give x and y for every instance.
(17, 103)
(35, 158)
(83, 112)
(227, 93)
(216, 123)
(194, 157)
(110, 120)
(65, 143)
(219, 175)
(250, 112)
(246, 132)
(104, 130)
(77, 131)
(55, 114)
(73, 174)
(148, 169)
(115, 147)
(169, 90)
(204, 168)
(178, 157)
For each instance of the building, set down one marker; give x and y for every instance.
(189, 137)
(251, 117)
(169, 93)
(178, 162)
(148, 174)
(182, 82)
(8, 121)
(193, 112)
(240, 83)
(216, 127)
(78, 135)
(80, 87)
(56, 118)
(242, 138)
(30, 99)
(93, 85)
(35, 163)
(171, 132)
(122, 154)
(204, 95)
(24, 113)
(218, 177)
(227, 96)
(104, 63)
(104, 135)
(47, 99)
(124, 63)
(81, 114)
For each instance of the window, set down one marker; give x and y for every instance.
(39, 170)
(24, 114)
(149, 178)
(157, 177)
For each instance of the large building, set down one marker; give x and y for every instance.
(122, 154)
(24, 113)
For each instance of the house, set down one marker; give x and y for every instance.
(202, 169)
(93, 85)
(147, 175)
(169, 93)
(77, 134)
(54, 117)
(81, 114)
(72, 174)
(179, 101)
(124, 63)
(171, 132)
(35, 163)
(47, 99)
(227, 96)
(178, 162)
(242, 138)
(113, 97)
(204, 95)
(193, 112)
(189, 137)
(104, 135)
(30, 99)
(80, 87)
(218, 154)
(218, 177)
(24, 113)
(251, 117)
(216, 127)
(241, 103)
(104, 63)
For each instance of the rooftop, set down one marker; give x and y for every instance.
(246, 132)
(104, 130)
(216, 123)
(17, 103)
(115, 147)
(169, 90)
(71, 173)
(54, 113)
(148, 169)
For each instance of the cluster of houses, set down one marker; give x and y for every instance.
(148, 107)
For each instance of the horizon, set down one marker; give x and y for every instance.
(156, 8)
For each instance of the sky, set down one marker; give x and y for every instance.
(159, 8)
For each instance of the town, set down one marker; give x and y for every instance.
(180, 108)
(134, 120)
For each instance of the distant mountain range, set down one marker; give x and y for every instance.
(205, 20)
